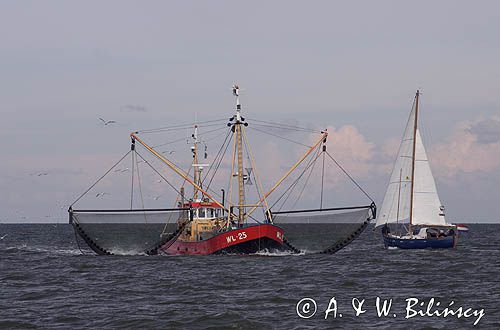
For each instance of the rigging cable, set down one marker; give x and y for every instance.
(283, 128)
(154, 169)
(183, 138)
(353, 181)
(292, 186)
(213, 137)
(217, 159)
(172, 186)
(216, 194)
(306, 181)
(167, 143)
(281, 137)
(313, 164)
(399, 149)
(280, 125)
(288, 190)
(140, 188)
(98, 180)
(159, 130)
(255, 175)
(187, 125)
(177, 200)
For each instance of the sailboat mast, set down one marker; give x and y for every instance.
(410, 229)
(399, 193)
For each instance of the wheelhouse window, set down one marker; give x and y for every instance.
(201, 213)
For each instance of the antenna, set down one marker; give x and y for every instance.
(236, 92)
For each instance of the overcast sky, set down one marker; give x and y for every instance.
(352, 66)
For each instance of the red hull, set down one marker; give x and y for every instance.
(242, 240)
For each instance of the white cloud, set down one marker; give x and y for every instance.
(352, 151)
(474, 146)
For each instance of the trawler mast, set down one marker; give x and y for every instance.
(239, 146)
(195, 162)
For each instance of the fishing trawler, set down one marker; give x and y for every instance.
(205, 223)
(412, 216)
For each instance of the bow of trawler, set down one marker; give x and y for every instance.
(208, 230)
(241, 218)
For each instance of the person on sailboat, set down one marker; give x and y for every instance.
(385, 229)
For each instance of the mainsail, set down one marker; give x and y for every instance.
(396, 204)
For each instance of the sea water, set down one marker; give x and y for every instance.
(46, 282)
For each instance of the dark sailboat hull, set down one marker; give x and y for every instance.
(418, 243)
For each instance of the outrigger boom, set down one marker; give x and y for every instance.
(311, 149)
(175, 169)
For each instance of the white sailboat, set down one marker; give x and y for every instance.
(412, 215)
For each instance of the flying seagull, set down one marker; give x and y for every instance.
(106, 123)
(4, 236)
(40, 173)
(101, 194)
